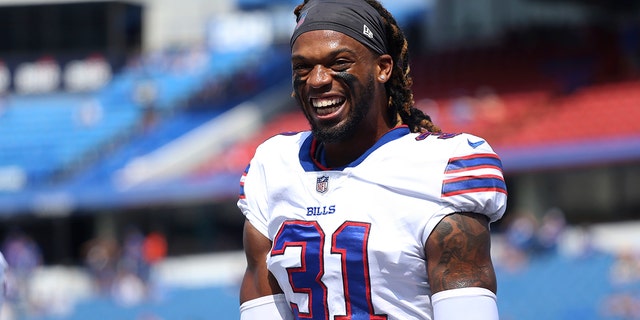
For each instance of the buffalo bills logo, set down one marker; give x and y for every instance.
(322, 184)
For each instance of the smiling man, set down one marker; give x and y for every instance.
(374, 213)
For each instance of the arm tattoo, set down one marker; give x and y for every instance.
(458, 253)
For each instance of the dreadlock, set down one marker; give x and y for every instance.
(401, 103)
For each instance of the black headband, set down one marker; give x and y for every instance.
(355, 18)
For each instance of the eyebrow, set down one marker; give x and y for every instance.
(331, 54)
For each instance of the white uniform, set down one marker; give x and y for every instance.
(350, 242)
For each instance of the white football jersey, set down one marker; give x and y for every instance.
(349, 243)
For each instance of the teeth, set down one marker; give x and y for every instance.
(323, 103)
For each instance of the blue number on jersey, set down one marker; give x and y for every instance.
(350, 242)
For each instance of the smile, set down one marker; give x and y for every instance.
(326, 106)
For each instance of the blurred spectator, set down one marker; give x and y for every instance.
(5, 79)
(4, 103)
(584, 244)
(128, 289)
(622, 306)
(89, 113)
(489, 105)
(519, 241)
(521, 232)
(154, 251)
(132, 273)
(624, 276)
(145, 94)
(462, 108)
(532, 236)
(23, 257)
(527, 237)
(430, 107)
(626, 268)
(132, 258)
(551, 229)
(3, 280)
(100, 257)
(154, 247)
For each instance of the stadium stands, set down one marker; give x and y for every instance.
(593, 112)
(87, 138)
(556, 285)
(538, 107)
(509, 116)
(57, 128)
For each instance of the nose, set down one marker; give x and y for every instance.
(320, 76)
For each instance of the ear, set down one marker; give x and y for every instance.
(384, 68)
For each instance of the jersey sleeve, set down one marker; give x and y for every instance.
(473, 179)
(252, 200)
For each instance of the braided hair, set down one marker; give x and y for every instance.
(401, 103)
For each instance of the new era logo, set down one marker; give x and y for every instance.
(303, 16)
(367, 32)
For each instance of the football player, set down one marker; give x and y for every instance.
(374, 213)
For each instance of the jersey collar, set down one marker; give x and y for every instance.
(312, 156)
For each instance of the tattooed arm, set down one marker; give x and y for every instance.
(458, 254)
(460, 271)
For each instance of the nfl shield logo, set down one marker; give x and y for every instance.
(322, 184)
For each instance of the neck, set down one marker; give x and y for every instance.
(342, 153)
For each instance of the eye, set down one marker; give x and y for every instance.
(341, 65)
(301, 68)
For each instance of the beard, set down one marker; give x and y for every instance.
(361, 104)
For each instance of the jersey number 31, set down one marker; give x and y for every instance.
(350, 242)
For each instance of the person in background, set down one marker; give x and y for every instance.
(374, 213)
(3, 280)
(24, 256)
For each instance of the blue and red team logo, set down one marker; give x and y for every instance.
(322, 184)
